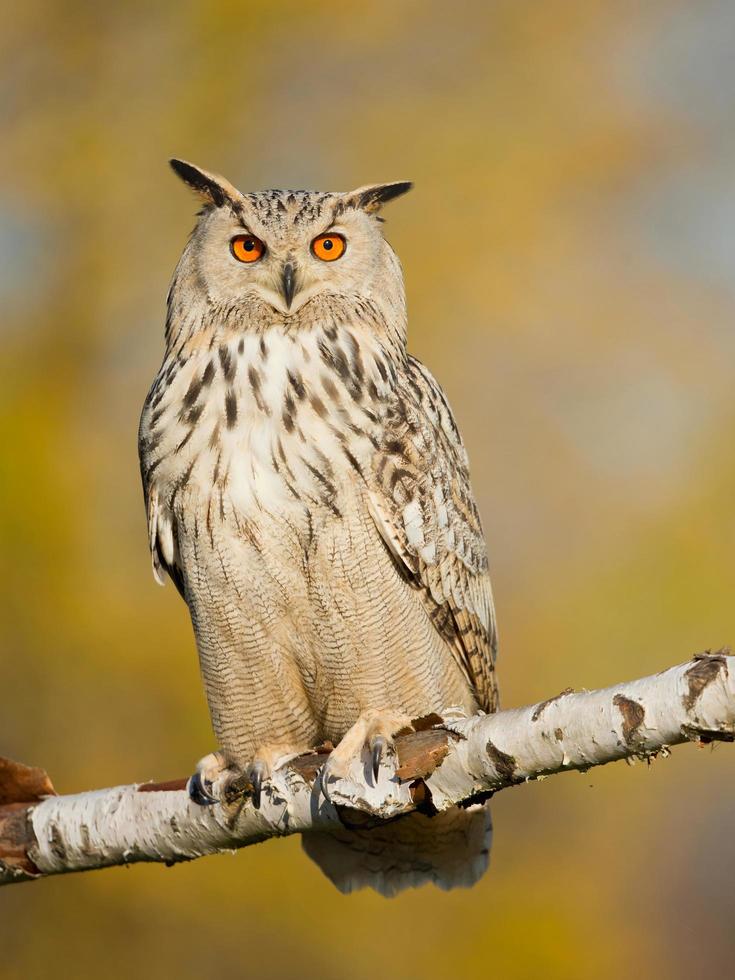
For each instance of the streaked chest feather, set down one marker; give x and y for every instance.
(275, 422)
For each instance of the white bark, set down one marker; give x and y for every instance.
(433, 769)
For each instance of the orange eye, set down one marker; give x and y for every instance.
(247, 248)
(328, 247)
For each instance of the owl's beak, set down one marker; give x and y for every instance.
(288, 283)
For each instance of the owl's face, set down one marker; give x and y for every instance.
(282, 249)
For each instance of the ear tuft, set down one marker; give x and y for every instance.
(211, 187)
(373, 197)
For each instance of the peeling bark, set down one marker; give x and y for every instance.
(23, 784)
(435, 766)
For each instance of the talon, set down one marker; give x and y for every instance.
(198, 790)
(324, 778)
(256, 774)
(378, 748)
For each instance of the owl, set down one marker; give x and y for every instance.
(307, 492)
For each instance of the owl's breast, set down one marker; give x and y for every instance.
(279, 425)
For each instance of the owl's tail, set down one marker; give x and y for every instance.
(451, 850)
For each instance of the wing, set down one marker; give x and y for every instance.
(161, 541)
(161, 532)
(422, 504)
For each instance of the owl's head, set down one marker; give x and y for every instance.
(274, 253)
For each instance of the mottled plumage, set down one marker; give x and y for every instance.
(308, 492)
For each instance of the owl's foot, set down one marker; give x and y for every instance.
(373, 731)
(200, 786)
(215, 782)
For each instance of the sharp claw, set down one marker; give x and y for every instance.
(377, 754)
(256, 778)
(198, 791)
(324, 778)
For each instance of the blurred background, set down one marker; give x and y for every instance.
(569, 251)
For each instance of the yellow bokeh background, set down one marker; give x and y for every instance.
(570, 263)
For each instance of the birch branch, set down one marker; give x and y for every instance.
(434, 767)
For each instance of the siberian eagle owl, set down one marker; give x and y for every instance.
(308, 493)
